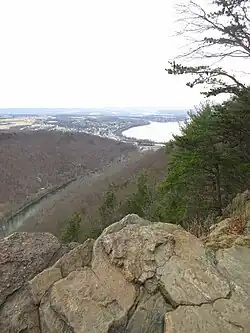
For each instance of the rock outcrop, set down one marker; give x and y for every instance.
(137, 277)
(234, 230)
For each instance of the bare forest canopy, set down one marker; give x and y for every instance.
(202, 169)
(32, 162)
(209, 163)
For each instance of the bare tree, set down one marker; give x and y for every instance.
(221, 32)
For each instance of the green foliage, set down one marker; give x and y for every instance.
(90, 229)
(210, 163)
(140, 199)
(210, 160)
(143, 201)
(72, 228)
(213, 77)
(109, 203)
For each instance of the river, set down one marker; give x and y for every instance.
(35, 216)
(155, 131)
(47, 213)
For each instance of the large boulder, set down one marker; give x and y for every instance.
(137, 277)
(23, 258)
(86, 304)
(42, 282)
(77, 258)
(19, 314)
(225, 314)
(148, 315)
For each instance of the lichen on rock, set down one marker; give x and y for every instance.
(137, 277)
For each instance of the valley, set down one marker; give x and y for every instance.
(33, 163)
(55, 164)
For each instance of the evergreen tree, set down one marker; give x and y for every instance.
(71, 230)
(207, 169)
(222, 30)
(144, 200)
(109, 203)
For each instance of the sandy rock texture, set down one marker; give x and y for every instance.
(137, 277)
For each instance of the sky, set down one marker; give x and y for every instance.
(90, 53)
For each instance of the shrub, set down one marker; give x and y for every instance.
(72, 229)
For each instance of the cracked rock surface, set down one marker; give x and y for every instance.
(137, 277)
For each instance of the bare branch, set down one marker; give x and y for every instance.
(222, 33)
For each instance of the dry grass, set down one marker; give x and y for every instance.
(227, 233)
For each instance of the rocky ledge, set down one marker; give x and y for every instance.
(137, 277)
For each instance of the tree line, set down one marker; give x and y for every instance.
(209, 162)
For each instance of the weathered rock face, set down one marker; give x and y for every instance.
(22, 256)
(233, 231)
(137, 277)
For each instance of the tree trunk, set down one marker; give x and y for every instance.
(218, 188)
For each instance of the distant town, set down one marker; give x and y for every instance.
(104, 123)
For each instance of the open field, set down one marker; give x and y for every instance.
(34, 162)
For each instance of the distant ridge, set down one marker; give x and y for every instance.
(106, 110)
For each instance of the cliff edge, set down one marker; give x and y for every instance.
(137, 277)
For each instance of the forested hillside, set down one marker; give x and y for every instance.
(32, 162)
(209, 163)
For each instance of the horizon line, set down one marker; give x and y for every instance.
(93, 107)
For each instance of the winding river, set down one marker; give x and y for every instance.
(60, 202)
(44, 213)
(14, 222)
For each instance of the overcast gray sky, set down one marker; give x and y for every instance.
(89, 53)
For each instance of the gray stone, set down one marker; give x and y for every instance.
(127, 220)
(133, 249)
(234, 264)
(234, 311)
(149, 315)
(22, 256)
(50, 321)
(188, 277)
(187, 319)
(77, 258)
(41, 283)
(86, 304)
(19, 314)
(191, 282)
(137, 277)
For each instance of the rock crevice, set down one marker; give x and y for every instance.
(137, 277)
